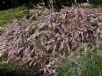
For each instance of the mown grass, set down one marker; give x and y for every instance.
(7, 15)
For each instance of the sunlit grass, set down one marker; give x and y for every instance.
(7, 15)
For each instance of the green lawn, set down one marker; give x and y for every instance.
(7, 15)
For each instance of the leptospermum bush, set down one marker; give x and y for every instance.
(40, 42)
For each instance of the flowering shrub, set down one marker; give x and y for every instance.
(40, 42)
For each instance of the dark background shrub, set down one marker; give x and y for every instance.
(57, 3)
(96, 2)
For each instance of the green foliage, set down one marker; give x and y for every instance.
(87, 65)
(96, 2)
(92, 66)
(65, 69)
(5, 4)
(30, 3)
(7, 15)
(11, 70)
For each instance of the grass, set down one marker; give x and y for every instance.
(9, 70)
(87, 65)
(7, 15)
